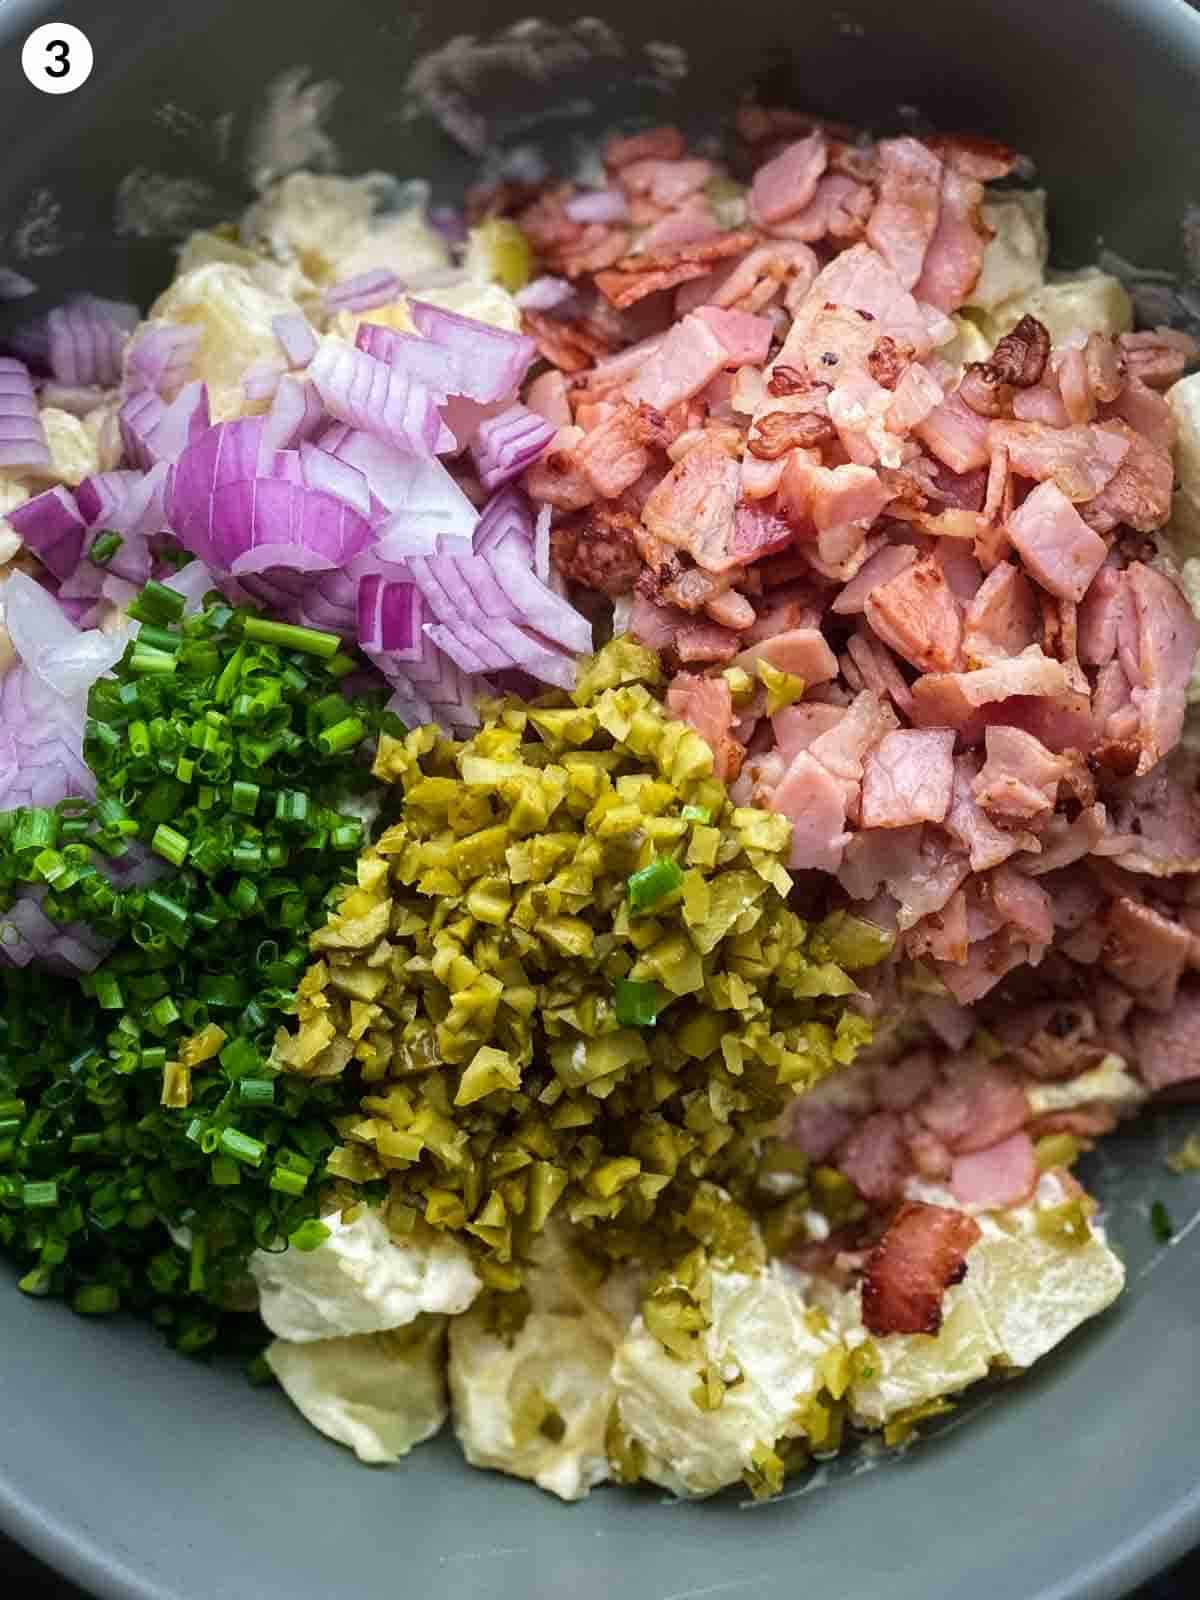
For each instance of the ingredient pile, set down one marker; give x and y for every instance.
(598, 799)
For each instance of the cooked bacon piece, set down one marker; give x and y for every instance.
(787, 183)
(1157, 357)
(1166, 1049)
(974, 155)
(1146, 412)
(1017, 362)
(746, 338)
(887, 563)
(900, 1084)
(1055, 543)
(1084, 1122)
(759, 531)
(1020, 777)
(777, 432)
(818, 1126)
(968, 824)
(1146, 951)
(1140, 491)
(802, 651)
(635, 277)
(797, 728)
(613, 455)
(840, 209)
(688, 359)
(954, 258)
(917, 393)
(1022, 903)
(915, 612)
(1164, 807)
(547, 395)
(690, 590)
(957, 436)
(1081, 460)
(599, 245)
(753, 282)
(988, 961)
(916, 866)
(666, 181)
(906, 216)
(875, 1157)
(877, 667)
(691, 223)
(662, 144)
(908, 778)
(976, 1105)
(815, 802)
(1105, 610)
(944, 935)
(1001, 1176)
(557, 478)
(1162, 654)
(706, 703)
(1001, 618)
(570, 346)
(843, 747)
(793, 605)
(731, 610)
(922, 1254)
(694, 507)
(598, 550)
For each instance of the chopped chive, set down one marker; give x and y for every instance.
(105, 547)
(96, 1300)
(157, 603)
(288, 636)
(243, 798)
(145, 659)
(341, 736)
(285, 1182)
(653, 884)
(107, 992)
(257, 1091)
(242, 1147)
(37, 1195)
(170, 843)
(308, 1235)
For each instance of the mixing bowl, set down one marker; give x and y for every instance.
(142, 1475)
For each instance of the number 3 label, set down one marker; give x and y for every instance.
(57, 58)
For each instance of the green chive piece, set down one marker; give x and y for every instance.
(36, 1195)
(257, 1091)
(309, 1235)
(243, 798)
(653, 883)
(144, 660)
(285, 1182)
(104, 547)
(157, 603)
(170, 844)
(96, 1300)
(288, 636)
(341, 736)
(242, 1147)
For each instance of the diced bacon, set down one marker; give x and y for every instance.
(1055, 543)
(974, 155)
(705, 642)
(1159, 659)
(976, 1105)
(664, 144)
(1165, 808)
(731, 610)
(927, 1152)
(825, 343)
(794, 605)
(950, 697)
(815, 802)
(690, 590)
(706, 703)
(786, 184)
(1146, 412)
(844, 746)
(1139, 493)
(802, 651)
(988, 961)
(915, 396)
(759, 531)
(557, 478)
(797, 727)
(1146, 952)
(547, 395)
(1001, 1176)
(751, 283)
(599, 550)
(1081, 460)
(746, 338)
(900, 1084)
(840, 209)
(688, 358)
(905, 217)
(1001, 619)
(692, 223)
(954, 258)
(1063, 842)
(760, 479)
(1157, 356)
(612, 372)
(878, 669)
(1074, 386)
(1041, 404)
(962, 572)
(613, 455)
(1167, 1046)
(1084, 1122)
(655, 626)
(917, 615)
(943, 935)
(922, 1254)
(953, 1024)
(915, 865)
(668, 182)
(1020, 777)
(635, 277)
(694, 507)
(956, 435)
(1106, 609)
(1023, 904)
(884, 565)
(875, 1157)
(599, 245)
(908, 778)
(968, 824)
(818, 1126)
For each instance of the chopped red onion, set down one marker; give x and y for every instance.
(301, 527)
(160, 357)
(540, 608)
(87, 338)
(390, 616)
(541, 545)
(544, 294)
(506, 444)
(505, 517)
(364, 291)
(51, 526)
(597, 205)
(428, 363)
(296, 338)
(193, 582)
(152, 432)
(360, 390)
(23, 446)
(260, 381)
(296, 414)
(490, 363)
(321, 470)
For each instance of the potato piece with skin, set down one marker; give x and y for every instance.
(1014, 262)
(759, 1329)
(74, 451)
(1090, 301)
(378, 1393)
(1184, 400)
(486, 302)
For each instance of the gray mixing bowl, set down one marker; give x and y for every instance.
(144, 1476)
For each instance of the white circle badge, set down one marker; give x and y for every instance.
(57, 58)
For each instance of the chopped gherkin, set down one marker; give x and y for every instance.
(496, 970)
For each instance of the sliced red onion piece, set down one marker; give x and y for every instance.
(193, 582)
(51, 526)
(303, 528)
(539, 607)
(160, 357)
(506, 444)
(459, 651)
(535, 656)
(152, 432)
(544, 294)
(506, 518)
(360, 390)
(428, 363)
(597, 205)
(64, 660)
(23, 446)
(65, 397)
(541, 545)
(364, 291)
(450, 223)
(489, 362)
(426, 506)
(296, 336)
(260, 381)
(230, 452)
(296, 414)
(390, 617)
(87, 338)
(322, 470)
